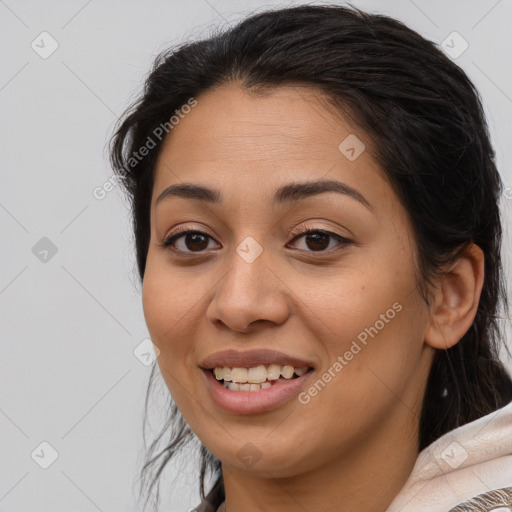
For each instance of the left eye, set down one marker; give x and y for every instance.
(318, 240)
(196, 241)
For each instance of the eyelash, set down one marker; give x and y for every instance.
(297, 233)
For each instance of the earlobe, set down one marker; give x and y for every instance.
(456, 299)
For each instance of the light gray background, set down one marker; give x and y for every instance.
(70, 325)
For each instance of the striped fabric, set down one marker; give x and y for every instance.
(499, 500)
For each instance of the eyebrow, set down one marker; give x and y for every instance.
(292, 192)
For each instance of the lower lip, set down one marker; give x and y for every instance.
(254, 402)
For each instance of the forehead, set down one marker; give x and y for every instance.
(238, 137)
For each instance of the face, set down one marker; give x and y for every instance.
(322, 277)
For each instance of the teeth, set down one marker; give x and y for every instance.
(227, 374)
(287, 372)
(273, 372)
(233, 386)
(256, 375)
(238, 374)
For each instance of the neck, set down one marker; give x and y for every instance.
(365, 477)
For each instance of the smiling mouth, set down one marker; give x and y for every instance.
(257, 378)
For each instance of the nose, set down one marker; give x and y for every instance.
(251, 292)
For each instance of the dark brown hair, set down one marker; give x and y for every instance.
(429, 135)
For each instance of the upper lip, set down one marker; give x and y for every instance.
(251, 358)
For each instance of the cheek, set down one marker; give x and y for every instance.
(375, 363)
(173, 306)
(371, 322)
(164, 309)
(164, 301)
(162, 314)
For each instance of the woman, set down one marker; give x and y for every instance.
(315, 208)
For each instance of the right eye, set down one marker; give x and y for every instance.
(193, 241)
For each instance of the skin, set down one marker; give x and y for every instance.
(353, 446)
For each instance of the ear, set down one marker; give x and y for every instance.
(456, 299)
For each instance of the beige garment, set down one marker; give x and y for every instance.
(499, 500)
